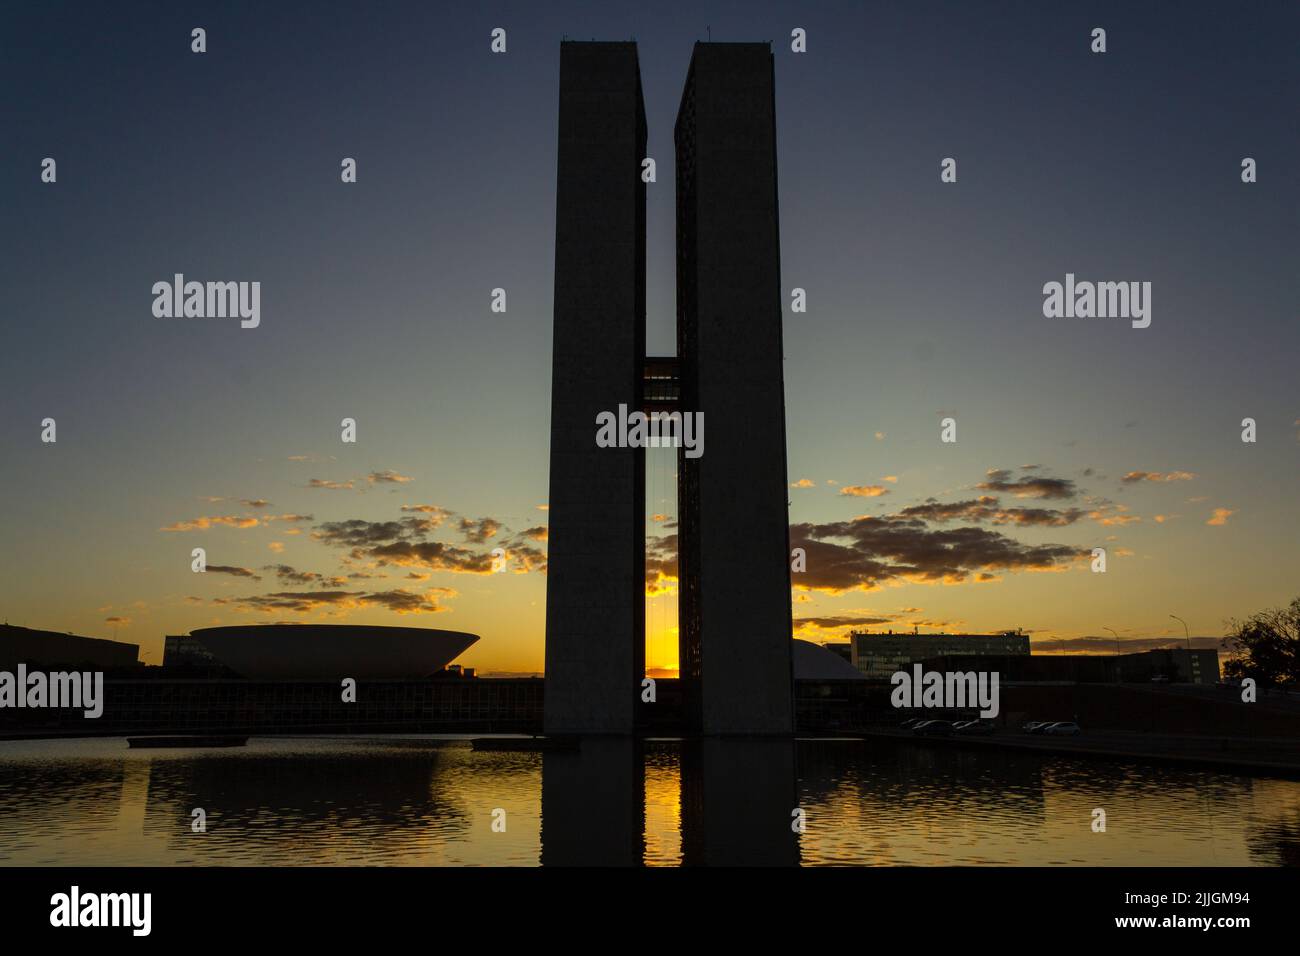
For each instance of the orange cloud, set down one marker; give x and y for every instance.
(333, 485)
(658, 583)
(1109, 516)
(399, 601)
(203, 524)
(864, 491)
(1133, 476)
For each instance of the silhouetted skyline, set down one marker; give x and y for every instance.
(924, 301)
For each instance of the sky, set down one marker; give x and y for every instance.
(924, 301)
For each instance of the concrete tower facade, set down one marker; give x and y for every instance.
(734, 595)
(734, 603)
(595, 587)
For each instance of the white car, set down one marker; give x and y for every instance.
(1063, 728)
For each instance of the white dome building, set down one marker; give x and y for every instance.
(277, 652)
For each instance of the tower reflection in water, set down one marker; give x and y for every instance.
(734, 803)
(618, 801)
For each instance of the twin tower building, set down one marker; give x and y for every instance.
(733, 527)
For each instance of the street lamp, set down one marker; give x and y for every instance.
(1189, 643)
(1112, 630)
(1184, 624)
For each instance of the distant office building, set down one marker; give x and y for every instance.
(162, 701)
(878, 656)
(51, 649)
(1174, 665)
(458, 672)
(1032, 669)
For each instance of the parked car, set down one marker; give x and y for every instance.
(1063, 728)
(911, 722)
(974, 727)
(1034, 726)
(933, 728)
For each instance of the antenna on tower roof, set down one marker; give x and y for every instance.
(709, 30)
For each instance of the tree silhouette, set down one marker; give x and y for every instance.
(1266, 646)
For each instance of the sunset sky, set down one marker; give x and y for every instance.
(924, 302)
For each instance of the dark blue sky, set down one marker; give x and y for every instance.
(924, 298)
